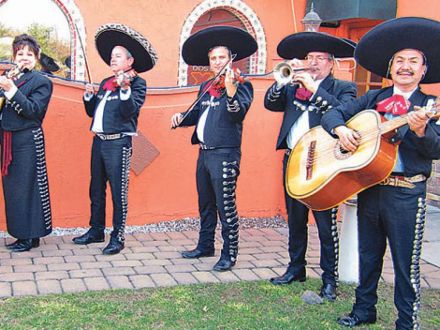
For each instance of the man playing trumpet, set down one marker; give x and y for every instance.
(304, 92)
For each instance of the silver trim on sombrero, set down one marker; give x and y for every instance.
(132, 33)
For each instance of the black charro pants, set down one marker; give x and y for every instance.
(110, 163)
(396, 214)
(327, 231)
(217, 172)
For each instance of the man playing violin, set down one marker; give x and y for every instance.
(218, 119)
(401, 49)
(115, 111)
(313, 92)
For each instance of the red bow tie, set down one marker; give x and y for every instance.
(303, 94)
(396, 105)
(217, 87)
(110, 85)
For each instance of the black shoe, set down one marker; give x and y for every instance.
(328, 292)
(35, 243)
(223, 265)
(289, 277)
(351, 320)
(88, 238)
(113, 247)
(196, 253)
(22, 246)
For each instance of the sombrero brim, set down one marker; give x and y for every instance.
(298, 45)
(196, 48)
(48, 63)
(111, 35)
(377, 47)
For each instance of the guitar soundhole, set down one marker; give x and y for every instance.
(341, 153)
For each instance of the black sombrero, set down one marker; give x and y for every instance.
(111, 35)
(377, 47)
(48, 64)
(196, 48)
(298, 45)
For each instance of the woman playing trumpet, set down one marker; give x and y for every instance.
(23, 161)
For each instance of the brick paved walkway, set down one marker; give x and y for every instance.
(152, 260)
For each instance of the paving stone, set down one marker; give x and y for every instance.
(150, 270)
(227, 276)
(157, 262)
(126, 263)
(163, 279)
(5, 289)
(266, 263)
(49, 260)
(80, 259)
(30, 268)
(185, 278)
(51, 275)
(179, 268)
(118, 271)
(13, 262)
(13, 277)
(144, 249)
(27, 255)
(205, 277)
(245, 274)
(24, 288)
(264, 273)
(49, 287)
(73, 285)
(167, 255)
(5, 269)
(141, 256)
(85, 273)
(96, 283)
(95, 264)
(57, 253)
(142, 281)
(66, 266)
(101, 257)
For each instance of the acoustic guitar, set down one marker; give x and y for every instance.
(321, 174)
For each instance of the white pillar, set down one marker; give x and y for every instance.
(348, 252)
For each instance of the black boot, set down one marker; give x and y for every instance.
(114, 247)
(89, 237)
(35, 242)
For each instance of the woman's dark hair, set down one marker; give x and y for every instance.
(23, 40)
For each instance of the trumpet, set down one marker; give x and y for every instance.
(283, 73)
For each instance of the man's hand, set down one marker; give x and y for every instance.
(348, 138)
(230, 82)
(89, 89)
(417, 121)
(176, 119)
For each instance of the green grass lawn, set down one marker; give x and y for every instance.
(242, 305)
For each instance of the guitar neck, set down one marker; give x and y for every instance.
(395, 123)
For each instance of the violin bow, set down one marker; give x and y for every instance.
(89, 76)
(207, 87)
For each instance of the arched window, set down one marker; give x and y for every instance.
(236, 13)
(58, 27)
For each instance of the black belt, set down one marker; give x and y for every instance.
(110, 136)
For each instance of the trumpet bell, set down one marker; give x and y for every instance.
(283, 73)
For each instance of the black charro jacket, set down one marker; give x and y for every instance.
(331, 93)
(29, 105)
(119, 116)
(224, 124)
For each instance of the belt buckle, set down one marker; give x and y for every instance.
(102, 136)
(386, 182)
(288, 151)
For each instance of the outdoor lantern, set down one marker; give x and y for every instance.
(311, 21)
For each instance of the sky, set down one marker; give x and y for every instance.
(21, 13)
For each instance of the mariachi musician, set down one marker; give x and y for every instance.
(218, 119)
(115, 111)
(24, 174)
(406, 51)
(313, 92)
